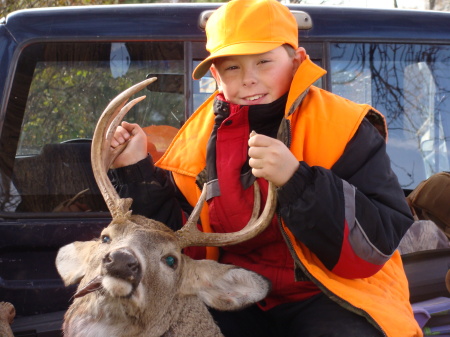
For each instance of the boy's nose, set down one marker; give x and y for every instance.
(249, 75)
(248, 79)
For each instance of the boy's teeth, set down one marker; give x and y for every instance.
(252, 98)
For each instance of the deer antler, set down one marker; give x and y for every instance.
(102, 157)
(189, 235)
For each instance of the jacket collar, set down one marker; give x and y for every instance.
(307, 74)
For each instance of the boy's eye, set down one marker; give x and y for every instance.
(231, 68)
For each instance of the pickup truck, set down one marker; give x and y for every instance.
(59, 68)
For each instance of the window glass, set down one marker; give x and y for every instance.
(61, 89)
(203, 88)
(410, 85)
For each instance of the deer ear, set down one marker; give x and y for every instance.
(72, 261)
(224, 287)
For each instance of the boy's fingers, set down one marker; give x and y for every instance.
(132, 128)
(254, 139)
(256, 152)
(257, 173)
(252, 162)
(129, 127)
(260, 141)
(125, 124)
(123, 133)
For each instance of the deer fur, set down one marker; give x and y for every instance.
(156, 299)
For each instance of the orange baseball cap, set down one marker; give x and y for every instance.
(243, 27)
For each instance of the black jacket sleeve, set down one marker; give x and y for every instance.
(353, 215)
(153, 191)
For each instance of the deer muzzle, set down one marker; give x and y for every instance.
(122, 264)
(121, 274)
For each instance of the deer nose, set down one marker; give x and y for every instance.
(122, 264)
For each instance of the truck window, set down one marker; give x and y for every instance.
(203, 88)
(410, 85)
(58, 94)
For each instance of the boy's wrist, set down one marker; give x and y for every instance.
(137, 172)
(295, 186)
(129, 160)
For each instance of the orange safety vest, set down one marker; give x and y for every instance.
(321, 124)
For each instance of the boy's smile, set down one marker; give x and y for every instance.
(258, 78)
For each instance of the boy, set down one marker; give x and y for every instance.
(330, 251)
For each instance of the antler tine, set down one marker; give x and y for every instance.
(189, 235)
(112, 155)
(195, 214)
(102, 157)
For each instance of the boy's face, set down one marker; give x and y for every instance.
(256, 79)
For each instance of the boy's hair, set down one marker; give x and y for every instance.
(244, 27)
(290, 50)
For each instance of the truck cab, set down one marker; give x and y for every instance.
(60, 67)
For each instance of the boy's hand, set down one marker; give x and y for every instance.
(136, 149)
(271, 159)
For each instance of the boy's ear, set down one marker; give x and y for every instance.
(216, 76)
(299, 57)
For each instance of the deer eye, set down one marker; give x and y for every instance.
(171, 261)
(105, 239)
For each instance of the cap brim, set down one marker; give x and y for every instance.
(247, 48)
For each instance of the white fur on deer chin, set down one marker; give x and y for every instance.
(117, 287)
